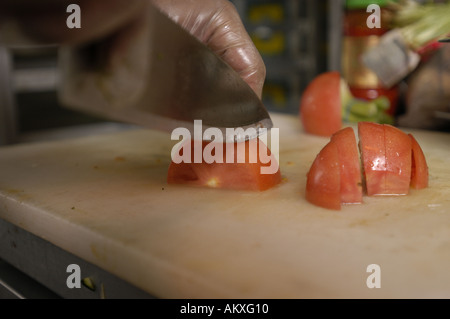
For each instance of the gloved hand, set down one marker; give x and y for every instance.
(214, 22)
(217, 24)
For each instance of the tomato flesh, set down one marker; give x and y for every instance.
(386, 156)
(419, 166)
(392, 163)
(350, 169)
(242, 173)
(398, 161)
(373, 157)
(323, 180)
(320, 105)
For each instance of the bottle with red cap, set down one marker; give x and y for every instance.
(359, 35)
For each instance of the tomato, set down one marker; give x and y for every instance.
(240, 173)
(392, 162)
(398, 161)
(386, 156)
(373, 156)
(350, 168)
(323, 180)
(419, 167)
(335, 175)
(320, 105)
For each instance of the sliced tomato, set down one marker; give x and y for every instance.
(386, 156)
(373, 156)
(398, 161)
(320, 105)
(419, 166)
(241, 173)
(323, 180)
(349, 163)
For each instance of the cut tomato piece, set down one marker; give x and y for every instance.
(398, 161)
(323, 180)
(373, 156)
(349, 163)
(320, 105)
(419, 166)
(240, 171)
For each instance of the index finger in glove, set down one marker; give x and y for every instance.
(218, 24)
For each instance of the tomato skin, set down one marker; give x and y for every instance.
(398, 161)
(373, 156)
(350, 168)
(386, 156)
(241, 174)
(419, 166)
(392, 162)
(320, 105)
(323, 179)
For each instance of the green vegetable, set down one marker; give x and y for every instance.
(363, 108)
(420, 24)
(382, 103)
(89, 283)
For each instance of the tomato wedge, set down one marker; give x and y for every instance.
(419, 167)
(392, 163)
(335, 175)
(242, 173)
(373, 156)
(323, 181)
(320, 105)
(386, 156)
(398, 161)
(350, 169)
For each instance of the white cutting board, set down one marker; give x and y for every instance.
(105, 199)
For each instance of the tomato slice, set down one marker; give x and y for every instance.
(398, 161)
(419, 166)
(349, 163)
(320, 105)
(242, 173)
(386, 156)
(373, 156)
(323, 180)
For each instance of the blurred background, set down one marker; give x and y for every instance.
(298, 39)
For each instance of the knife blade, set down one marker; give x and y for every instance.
(167, 79)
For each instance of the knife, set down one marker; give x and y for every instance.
(166, 79)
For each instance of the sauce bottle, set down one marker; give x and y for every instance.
(357, 38)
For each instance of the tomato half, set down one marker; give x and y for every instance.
(373, 156)
(386, 156)
(419, 166)
(349, 163)
(320, 105)
(323, 181)
(398, 161)
(243, 172)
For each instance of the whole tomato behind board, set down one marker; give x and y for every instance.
(321, 106)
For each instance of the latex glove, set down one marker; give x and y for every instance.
(218, 24)
(214, 22)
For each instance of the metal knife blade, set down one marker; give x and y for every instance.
(167, 79)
